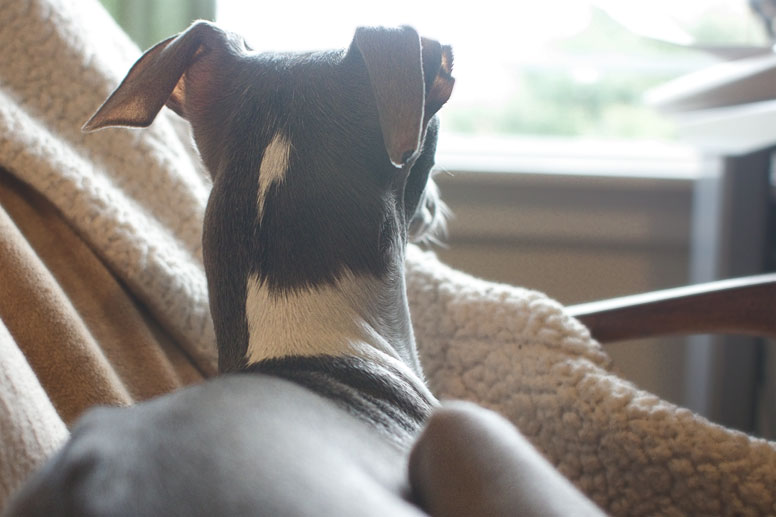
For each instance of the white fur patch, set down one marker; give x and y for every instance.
(332, 320)
(273, 167)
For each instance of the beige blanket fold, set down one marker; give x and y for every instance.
(86, 338)
(135, 197)
(74, 337)
(30, 428)
(103, 298)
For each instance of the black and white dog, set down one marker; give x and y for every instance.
(320, 165)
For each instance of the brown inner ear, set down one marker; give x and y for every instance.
(156, 78)
(437, 70)
(178, 96)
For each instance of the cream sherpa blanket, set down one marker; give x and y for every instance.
(131, 203)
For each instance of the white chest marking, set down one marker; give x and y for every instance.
(332, 320)
(273, 167)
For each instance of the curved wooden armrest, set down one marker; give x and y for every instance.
(739, 306)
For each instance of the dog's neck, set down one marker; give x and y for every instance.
(300, 267)
(356, 315)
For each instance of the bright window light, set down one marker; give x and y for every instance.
(554, 69)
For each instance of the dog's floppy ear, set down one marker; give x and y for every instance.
(157, 78)
(437, 74)
(410, 79)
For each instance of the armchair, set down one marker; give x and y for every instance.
(736, 306)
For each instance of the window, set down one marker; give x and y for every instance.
(554, 69)
(531, 76)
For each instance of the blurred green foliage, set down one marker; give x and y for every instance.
(553, 103)
(595, 89)
(150, 21)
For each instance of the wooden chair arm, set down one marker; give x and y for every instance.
(744, 305)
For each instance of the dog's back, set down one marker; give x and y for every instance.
(241, 444)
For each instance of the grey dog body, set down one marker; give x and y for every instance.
(241, 444)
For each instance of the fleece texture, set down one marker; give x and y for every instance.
(122, 211)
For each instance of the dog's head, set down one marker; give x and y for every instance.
(320, 161)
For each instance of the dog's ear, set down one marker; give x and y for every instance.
(157, 78)
(410, 79)
(437, 74)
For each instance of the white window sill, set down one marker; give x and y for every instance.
(569, 157)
